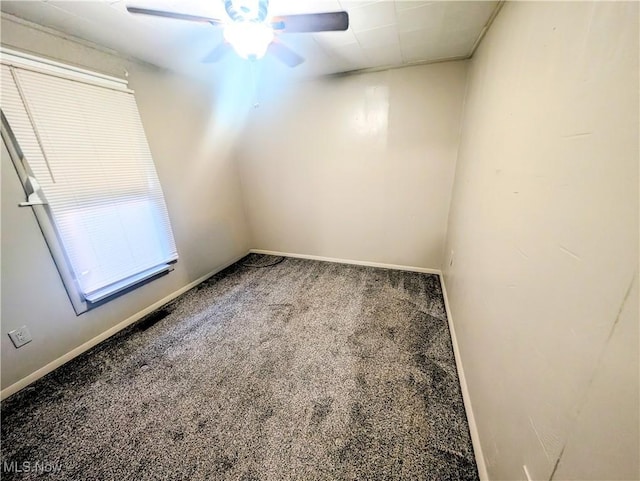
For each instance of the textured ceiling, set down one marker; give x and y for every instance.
(382, 33)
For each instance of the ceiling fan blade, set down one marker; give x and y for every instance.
(217, 53)
(175, 15)
(285, 54)
(312, 22)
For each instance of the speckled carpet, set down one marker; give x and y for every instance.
(303, 370)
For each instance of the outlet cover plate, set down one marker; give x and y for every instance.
(20, 336)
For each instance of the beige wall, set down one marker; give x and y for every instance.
(358, 167)
(191, 147)
(544, 229)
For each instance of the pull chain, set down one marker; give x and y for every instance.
(254, 82)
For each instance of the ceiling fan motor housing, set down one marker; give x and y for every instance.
(247, 10)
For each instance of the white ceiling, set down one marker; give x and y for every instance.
(383, 33)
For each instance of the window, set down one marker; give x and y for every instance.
(79, 147)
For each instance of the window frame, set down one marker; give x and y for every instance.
(41, 209)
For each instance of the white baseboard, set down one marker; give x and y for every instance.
(482, 469)
(348, 261)
(34, 376)
(473, 428)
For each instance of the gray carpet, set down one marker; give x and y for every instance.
(302, 370)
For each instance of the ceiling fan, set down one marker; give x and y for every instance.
(251, 31)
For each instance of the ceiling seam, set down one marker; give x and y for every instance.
(390, 67)
(485, 29)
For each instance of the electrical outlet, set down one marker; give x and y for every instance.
(20, 336)
(451, 259)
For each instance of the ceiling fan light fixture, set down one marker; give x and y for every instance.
(250, 30)
(250, 40)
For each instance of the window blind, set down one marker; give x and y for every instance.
(85, 145)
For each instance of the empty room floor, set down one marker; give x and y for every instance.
(299, 370)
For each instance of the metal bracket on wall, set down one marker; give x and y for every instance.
(35, 196)
(34, 193)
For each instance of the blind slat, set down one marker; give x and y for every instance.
(104, 197)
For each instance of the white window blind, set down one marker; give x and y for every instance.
(85, 146)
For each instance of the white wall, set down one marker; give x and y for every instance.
(191, 145)
(356, 167)
(544, 229)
